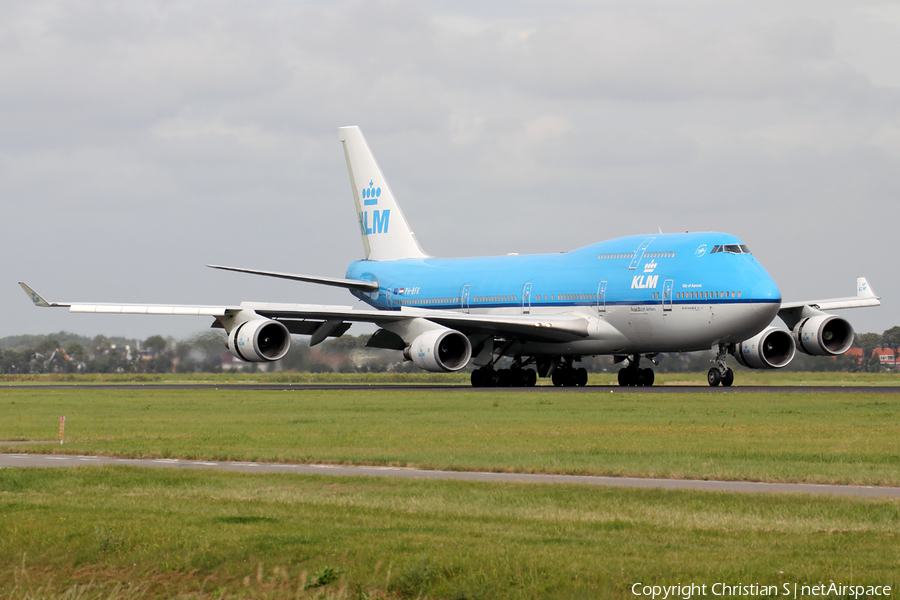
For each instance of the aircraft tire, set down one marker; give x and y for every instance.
(637, 378)
(728, 378)
(477, 378)
(649, 376)
(520, 377)
(530, 378)
(714, 377)
(581, 377)
(556, 379)
(623, 378)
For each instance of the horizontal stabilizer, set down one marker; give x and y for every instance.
(350, 284)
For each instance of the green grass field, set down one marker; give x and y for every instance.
(820, 438)
(137, 533)
(127, 532)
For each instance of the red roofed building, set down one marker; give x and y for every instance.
(885, 355)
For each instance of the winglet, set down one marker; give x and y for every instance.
(35, 297)
(863, 289)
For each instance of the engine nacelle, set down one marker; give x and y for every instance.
(772, 348)
(440, 350)
(823, 335)
(259, 340)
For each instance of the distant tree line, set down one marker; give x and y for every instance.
(205, 352)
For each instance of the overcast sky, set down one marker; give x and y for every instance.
(142, 140)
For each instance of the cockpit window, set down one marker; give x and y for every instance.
(731, 249)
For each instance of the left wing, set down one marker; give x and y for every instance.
(309, 318)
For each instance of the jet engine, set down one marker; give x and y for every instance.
(259, 340)
(440, 350)
(772, 348)
(823, 335)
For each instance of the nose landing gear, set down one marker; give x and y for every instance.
(721, 373)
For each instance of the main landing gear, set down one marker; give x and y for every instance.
(633, 375)
(565, 375)
(560, 371)
(721, 373)
(515, 376)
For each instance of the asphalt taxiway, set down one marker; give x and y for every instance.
(68, 460)
(544, 389)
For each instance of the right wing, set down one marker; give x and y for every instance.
(792, 312)
(865, 296)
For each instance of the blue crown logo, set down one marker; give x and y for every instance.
(370, 194)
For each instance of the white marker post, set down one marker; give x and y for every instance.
(62, 428)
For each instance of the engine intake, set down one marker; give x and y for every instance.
(259, 340)
(440, 350)
(823, 335)
(772, 348)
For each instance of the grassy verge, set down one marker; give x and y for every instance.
(743, 377)
(821, 438)
(118, 533)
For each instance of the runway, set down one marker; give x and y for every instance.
(591, 389)
(60, 460)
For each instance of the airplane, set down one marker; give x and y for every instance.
(633, 298)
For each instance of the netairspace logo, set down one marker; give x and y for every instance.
(784, 590)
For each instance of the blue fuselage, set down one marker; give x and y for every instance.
(656, 289)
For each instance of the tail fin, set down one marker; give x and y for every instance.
(386, 234)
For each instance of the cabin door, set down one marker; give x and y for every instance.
(526, 299)
(668, 286)
(464, 297)
(601, 297)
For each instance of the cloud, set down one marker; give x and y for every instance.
(139, 141)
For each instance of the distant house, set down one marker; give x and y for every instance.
(885, 355)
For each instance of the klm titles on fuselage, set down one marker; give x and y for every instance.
(644, 282)
(380, 218)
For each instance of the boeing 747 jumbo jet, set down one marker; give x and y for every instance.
(632, 297)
